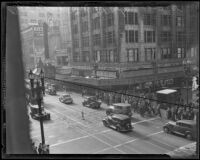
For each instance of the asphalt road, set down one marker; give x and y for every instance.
(68, 133)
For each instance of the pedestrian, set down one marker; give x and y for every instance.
(158, 110)
(184, 114)
(169, 114)
(40, 148)
(82, 114)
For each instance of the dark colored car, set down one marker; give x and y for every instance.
(35, 113)
(118, 122)
(186, 128)
(51, 90)
(66, 98)
(92, 102)
(120, 108)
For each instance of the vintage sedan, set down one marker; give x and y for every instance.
(186, 128)
(35, 113)
(51, 90)
(66, 98)
(92, 102)
(119, 122)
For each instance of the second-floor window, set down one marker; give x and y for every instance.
(110, 19)
(180, 36)
(132, 55)
(76, 43)
(180, 53)
(149, 36)
(131, 36)
(86, 56)
(150, 54)
(131, 18)
(110, 37)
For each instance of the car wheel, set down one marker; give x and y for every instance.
(189, 136)
(166, 130)
(105, 123)
(117, 128)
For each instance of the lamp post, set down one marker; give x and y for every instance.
(39, 97)
(187, 71)
(42, 81)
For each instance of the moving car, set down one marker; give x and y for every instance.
(51, 90)
(35, 113)
(66, 98)
(92, 102)
(186, 128)
(118, 122)
(119, 108)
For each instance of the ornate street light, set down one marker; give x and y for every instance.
(42, 80)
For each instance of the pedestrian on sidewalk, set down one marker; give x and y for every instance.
(82, 114)
(40, 148)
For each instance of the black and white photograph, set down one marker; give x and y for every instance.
(91, 78)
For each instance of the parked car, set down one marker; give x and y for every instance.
(35, 113)
(92, 102)
(186, 128)
(119, 108)
(118, 122)
(66, 98)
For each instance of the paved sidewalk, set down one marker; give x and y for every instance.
(188, 151)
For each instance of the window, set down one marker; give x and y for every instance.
(75, 28)
(180, 36)
(76, 57)
(97, 56)
(131, 36)
(179, 21)
(165, 20)
(110, 37)
(180, 53)
(96, 40)
(149, 36)
(84, 26)
(96, 23)
(76, 43)
(110, 19)
(131, 18)
(33, 21)
(150, 54)
(132, 55)
(86, 57)
(83, 12)
(85, 41)
(165, 53)
(149, 19)
(165, 36)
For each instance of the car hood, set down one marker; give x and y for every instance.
(172, 123)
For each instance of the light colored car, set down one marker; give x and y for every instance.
(66, 98)
(119, 108)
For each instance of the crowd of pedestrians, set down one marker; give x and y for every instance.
(146, 106)
(40, 149)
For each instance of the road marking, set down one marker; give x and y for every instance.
(88, 135)
(145, 120)
(129, 142)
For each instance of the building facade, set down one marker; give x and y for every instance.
(131, 45)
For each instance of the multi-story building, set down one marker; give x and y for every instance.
(31, 21)
(130, 46)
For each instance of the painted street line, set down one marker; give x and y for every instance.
(129, 141)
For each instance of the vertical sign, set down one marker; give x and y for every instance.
(46, 45)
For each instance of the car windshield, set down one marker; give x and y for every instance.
(66, 96)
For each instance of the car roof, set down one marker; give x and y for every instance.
(122, 104)
(190, 122)
(66, 95)
(90, 97)
(120, 116)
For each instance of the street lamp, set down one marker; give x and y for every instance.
(39, 98)
(187, 71)
(42, 80)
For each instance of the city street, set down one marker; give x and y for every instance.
(68, 133)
